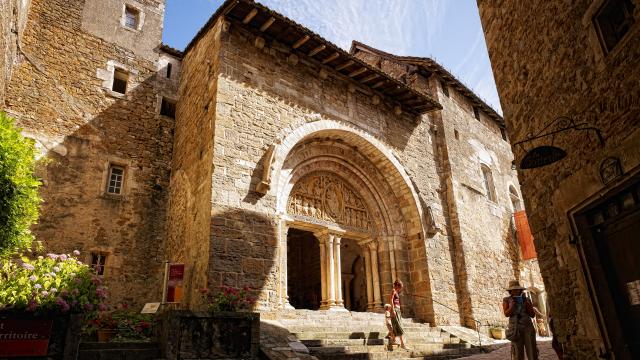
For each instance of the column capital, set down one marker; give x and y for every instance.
(327, 233)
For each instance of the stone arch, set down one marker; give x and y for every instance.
(383, 183)
(368, 145)
(516, 201)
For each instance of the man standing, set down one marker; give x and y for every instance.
(521, 331)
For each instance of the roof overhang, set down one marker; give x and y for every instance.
(319, 52)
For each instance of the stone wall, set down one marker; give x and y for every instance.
(548, 63)
(192, 165)
(60, 93)
(12, 24)
(485, 253)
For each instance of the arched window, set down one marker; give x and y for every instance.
(488, 182)
(516, 204)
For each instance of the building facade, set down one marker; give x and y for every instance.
(264, 156)
(567, 74)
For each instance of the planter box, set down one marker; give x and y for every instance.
(26, 335)
(187, 334)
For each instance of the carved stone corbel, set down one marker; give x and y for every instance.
(265, 182)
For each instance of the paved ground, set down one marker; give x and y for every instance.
(544, 348)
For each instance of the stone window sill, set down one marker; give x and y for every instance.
(115, 94)
(114, 197)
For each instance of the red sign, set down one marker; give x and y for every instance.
(174, 283)
(24, 337)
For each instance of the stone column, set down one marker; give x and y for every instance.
(323, 271)
(392, 257)
(373, 248)
(284, 271)
(331, 273)
(338, 269)
(369, 278)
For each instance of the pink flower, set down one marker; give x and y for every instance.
(88, 307)
(63, 257)
(28, 266)
(102, 307)
(76, 252)
(52, 256)
(33, 305)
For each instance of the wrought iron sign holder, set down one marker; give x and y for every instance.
(548, 154)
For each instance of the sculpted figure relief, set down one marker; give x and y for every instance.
(327, 198)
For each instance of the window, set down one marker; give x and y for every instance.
(168, 108)
(515, 199)
(116, 177)
(120, 78)
(445, 88)
(613, 21)
(456, 134)
(131, 18)
(488, 183)
(503, 132)
(169, 66)
(97, 262)
(476, 113)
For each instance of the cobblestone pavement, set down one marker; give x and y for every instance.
(544, 348)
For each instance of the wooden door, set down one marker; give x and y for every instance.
(611, 242)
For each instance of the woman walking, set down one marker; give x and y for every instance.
(396, 314)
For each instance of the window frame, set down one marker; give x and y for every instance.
(489, 185)
(163, 100)
(113, 166)
(445, 88)
(128, 9)
(476, 113)
(102, 265)
(597, 25)
(118, 74)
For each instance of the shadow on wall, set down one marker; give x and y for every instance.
(79, 213)
(244, 253)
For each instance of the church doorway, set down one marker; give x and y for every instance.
(353, 277)
(303, 270)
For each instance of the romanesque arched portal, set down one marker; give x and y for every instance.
(341, 183)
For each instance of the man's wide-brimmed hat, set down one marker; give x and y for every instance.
(515, 285)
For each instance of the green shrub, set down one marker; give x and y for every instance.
(19, 198)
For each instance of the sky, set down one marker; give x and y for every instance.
(447, 31)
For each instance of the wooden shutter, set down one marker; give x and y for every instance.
(525, 238)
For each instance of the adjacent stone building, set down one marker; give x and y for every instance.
(568, 74)
(265, 156)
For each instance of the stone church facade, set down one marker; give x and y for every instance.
(264, 156)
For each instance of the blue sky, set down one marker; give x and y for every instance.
(447, 31)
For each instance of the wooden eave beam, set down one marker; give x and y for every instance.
(357, 72)
(316, 50)
(301, 41)
(250, 16)
(345, 65)
(331, 58)
(378, 84)
(267, 23)
(370, 77)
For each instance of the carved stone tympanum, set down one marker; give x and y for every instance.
(327, 198)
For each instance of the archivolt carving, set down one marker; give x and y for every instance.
(327, 198)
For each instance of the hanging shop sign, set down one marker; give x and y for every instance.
(547, 153)
(173, 283)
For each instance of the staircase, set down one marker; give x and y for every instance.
(331, 335)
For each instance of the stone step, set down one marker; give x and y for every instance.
(118, 351)
(381, 352)
(428, 337)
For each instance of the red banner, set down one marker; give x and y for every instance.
(24, 337)
(525, 238)
(174, 283)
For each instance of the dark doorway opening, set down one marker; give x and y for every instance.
(303, 270)
(353, 276)
(610, 230)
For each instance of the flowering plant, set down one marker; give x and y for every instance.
(229, 299)
(128, 324)
(50, 283)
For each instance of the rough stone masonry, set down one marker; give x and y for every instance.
(388, 167)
